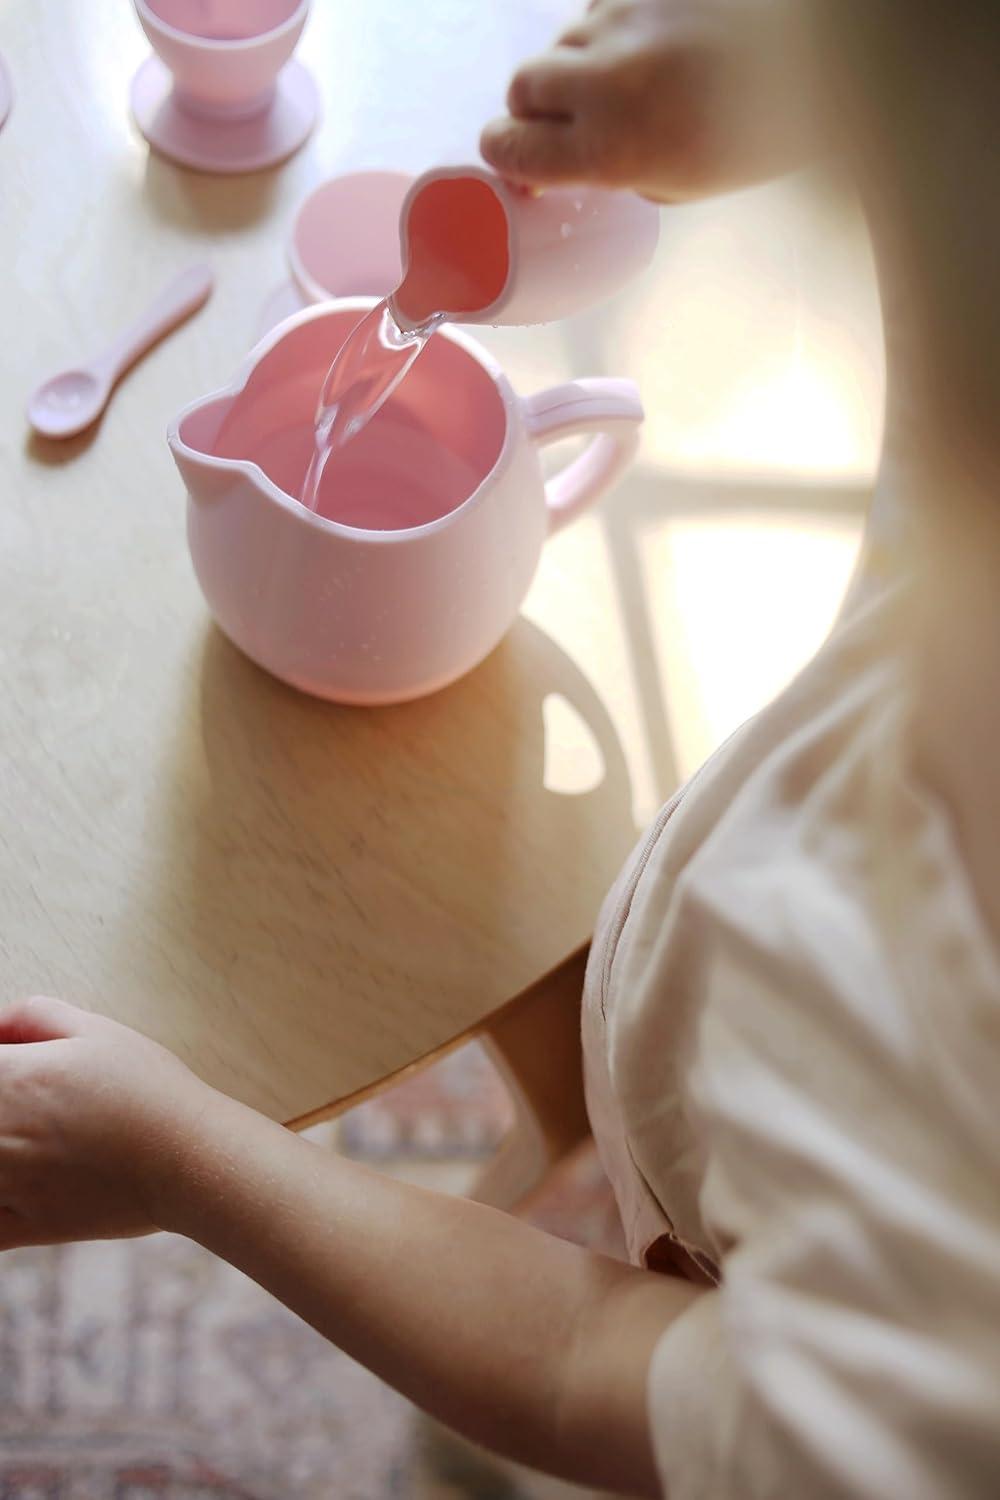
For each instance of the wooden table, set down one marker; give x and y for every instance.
(302, 899)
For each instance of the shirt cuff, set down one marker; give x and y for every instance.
(688, 1395)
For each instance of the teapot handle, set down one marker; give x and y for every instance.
(612, 411)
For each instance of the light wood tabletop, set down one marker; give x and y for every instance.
(302, 899)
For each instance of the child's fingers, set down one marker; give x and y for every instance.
(12, 1229)
(548, 87)
(534, 151)
(42, 1019)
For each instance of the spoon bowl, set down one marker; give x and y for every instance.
(67, 403)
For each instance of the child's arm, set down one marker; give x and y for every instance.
(676, 99)
(528, 1345)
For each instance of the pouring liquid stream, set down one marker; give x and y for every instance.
(458, 259)
(368, 368)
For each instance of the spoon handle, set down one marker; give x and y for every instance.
(182, 297)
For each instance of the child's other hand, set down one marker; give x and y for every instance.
(676, 99)
(89, 1113)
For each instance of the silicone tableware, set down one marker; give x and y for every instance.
(68, 402)
(221, 93)
(480, 251)
(430, 523)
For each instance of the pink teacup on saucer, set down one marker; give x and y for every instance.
(221, 93)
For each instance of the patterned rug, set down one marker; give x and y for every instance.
(147, 1370)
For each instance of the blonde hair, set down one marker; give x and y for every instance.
(913, 85)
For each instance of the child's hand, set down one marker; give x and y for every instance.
(674, 98)
(89, 1113)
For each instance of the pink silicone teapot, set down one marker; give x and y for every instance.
(441, 509)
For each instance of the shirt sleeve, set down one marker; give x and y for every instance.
(852, 1350)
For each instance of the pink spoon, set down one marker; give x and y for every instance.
(73, 399)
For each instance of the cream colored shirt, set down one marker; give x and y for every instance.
(792, 1027)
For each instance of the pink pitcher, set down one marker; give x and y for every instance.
(419, 563)
(482, 251)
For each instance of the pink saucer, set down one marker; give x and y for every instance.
(6, 92)
(225, 145)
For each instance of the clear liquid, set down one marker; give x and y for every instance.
(369, 366)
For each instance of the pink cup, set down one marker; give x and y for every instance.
(221, 93)
(432, 518)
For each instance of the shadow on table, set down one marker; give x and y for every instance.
(206, 202)
(54, 452)
(395, 856)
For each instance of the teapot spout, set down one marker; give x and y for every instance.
(193, 440)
